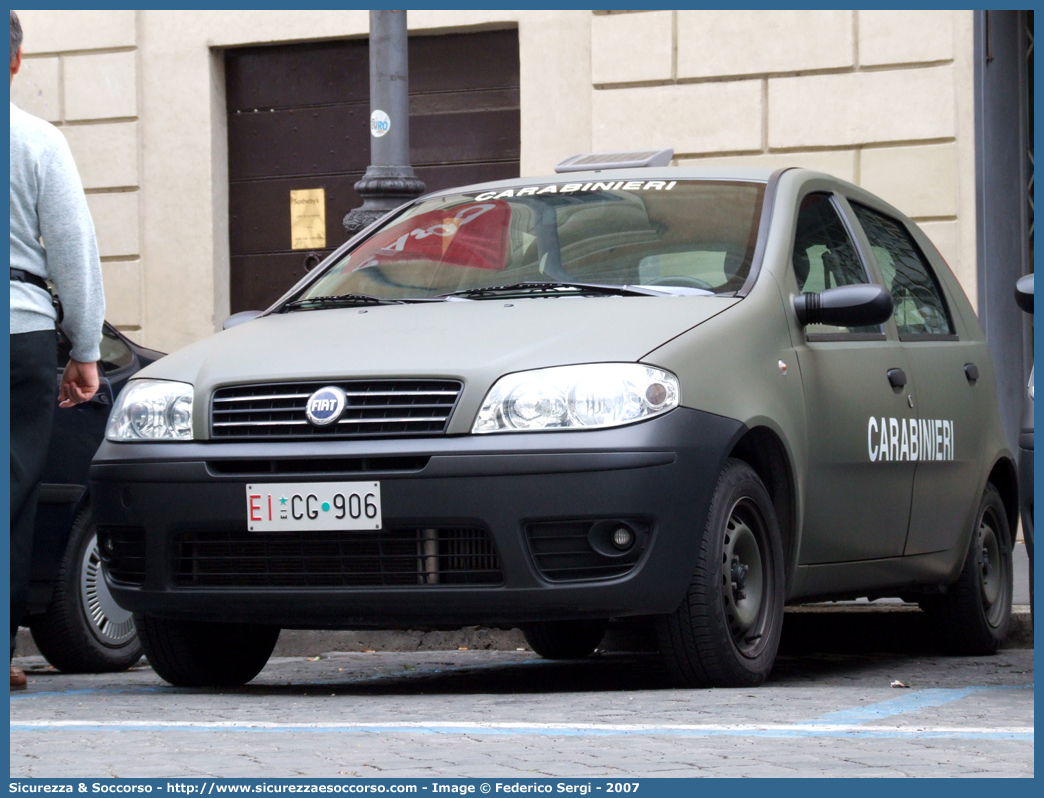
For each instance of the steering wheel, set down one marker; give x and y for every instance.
(680, 280)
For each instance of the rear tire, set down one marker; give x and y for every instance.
(973, 616)
(83, 629)
(727, 629)
(564, 639)
(201, 654)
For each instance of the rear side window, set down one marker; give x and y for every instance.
(825, 257)
(918, 301)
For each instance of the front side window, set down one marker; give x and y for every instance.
(825, 257)
(916, 297)
(693, 236)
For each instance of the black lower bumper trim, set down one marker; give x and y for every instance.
(428, 557)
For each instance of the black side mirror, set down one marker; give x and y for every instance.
(1024, 293)
(240, 318)
(859, 305)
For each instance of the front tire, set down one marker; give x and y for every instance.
(83, 629)
(973, 616)
(727, 629)
(564, 639)
(202, 654)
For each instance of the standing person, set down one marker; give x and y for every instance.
(48, 205)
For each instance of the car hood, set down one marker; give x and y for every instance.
(473, 341)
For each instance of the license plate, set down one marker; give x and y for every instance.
(313, 505)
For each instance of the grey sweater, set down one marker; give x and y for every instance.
(48, 206)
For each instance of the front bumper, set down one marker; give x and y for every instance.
(661, 472)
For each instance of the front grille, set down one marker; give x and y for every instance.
(382, 558)
(122, 550)
(563, 550)
(375, 409)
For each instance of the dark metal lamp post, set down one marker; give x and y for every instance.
(389, 180)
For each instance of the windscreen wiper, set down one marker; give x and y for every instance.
(553, 288)
(337, 300)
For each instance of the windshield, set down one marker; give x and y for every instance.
(696, 235)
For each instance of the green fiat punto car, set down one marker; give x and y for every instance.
(684, 395)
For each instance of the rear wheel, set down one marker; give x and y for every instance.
(973, 616)
(83, 629)
(727, 629)
(564, 639)
(200, 654)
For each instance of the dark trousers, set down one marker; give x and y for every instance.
(34, 387)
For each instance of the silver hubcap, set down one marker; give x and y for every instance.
(112, 625)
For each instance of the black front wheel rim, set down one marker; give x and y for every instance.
(747, 578)
(992, 567)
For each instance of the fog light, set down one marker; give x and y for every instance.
(623, 538)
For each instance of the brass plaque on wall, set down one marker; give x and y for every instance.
(308, 219)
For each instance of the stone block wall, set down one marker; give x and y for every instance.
(80, 73)
(883, 99)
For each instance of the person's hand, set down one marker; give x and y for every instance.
(79, 383)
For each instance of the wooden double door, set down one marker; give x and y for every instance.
(298, 121)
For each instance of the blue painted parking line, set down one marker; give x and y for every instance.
(911, 702)
(260, 687)
(93, 691)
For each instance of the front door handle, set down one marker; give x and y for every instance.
(897, 378)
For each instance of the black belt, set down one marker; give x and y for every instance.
(22, 276)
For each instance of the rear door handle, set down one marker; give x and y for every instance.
(897, 378)
(971, 371)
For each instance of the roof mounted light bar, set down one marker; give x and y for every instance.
(589, 161)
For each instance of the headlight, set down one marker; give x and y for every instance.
(152, 410)
(577, 397)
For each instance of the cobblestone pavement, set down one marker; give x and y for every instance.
(510, 714)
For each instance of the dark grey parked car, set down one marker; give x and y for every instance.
(75, 622)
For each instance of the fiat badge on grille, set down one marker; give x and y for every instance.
(325, 406)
